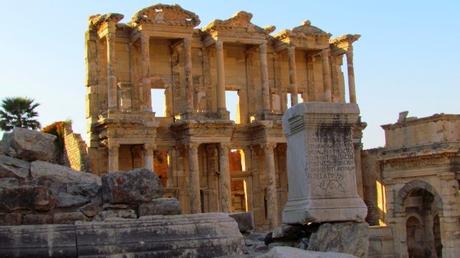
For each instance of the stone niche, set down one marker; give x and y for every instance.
(320, 163)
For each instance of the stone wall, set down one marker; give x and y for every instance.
(75, 150)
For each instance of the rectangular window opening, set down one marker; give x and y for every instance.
(232, 101)
(158, 97)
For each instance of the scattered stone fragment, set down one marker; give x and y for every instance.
(245, 221)
(136, 186)
(31, 219)
(29, 145)
(26, 198)
(68, 217)
(290, 252)
(346, 237)
(11, 167)
(160, 206)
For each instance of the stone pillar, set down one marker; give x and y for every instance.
(188, 74)
(194, 178)
(144, 91)
(113, 149)
(292, 75)
(351, 75)
(148, 156)
(272, 193)
(224, 180)
(112, 101)
(326, 75)
(172, 177)
(321, 170)
(221, 106)
(359, 172)
(264, 77)
(213, 180)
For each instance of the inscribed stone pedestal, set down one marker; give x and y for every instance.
(320, 163)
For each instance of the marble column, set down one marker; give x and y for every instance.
(351, 75)
(224, 180)
(188, 74)
(221, 106)
(264, 77)
(172, 177)
(272, 193)
(213, 180)
(112, 100)
(292, 75)
(148, 156)
(144, 91)
(327, 97)
(113, 149)
(194, 178)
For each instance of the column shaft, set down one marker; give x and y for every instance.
(224, 180)
(113, 157)
(172, 177)
(148, 157)
(188, 74)
(145, 94)
(351, 75)
(292, 75)
(272, 194)
(194, 179)
(220, 76)
(111, 78)
(264, 77)
(326, 75)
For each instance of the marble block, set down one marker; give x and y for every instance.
(321, 165)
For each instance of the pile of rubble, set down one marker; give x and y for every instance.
(36, 190)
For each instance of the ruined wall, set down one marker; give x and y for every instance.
(416, 132)
(373, 185)
(75, 150)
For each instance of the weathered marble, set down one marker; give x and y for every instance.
(321, 165)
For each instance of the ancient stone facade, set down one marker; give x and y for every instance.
(412, 188)
(207, 160)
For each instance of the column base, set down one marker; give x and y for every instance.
(302, 211)
(223, 114)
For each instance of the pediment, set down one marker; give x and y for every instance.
(162, 14)
(240, 22)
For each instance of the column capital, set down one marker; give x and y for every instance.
(219, 44)
(113, 144)
(192, 145)
(148, 146)
(268, 145)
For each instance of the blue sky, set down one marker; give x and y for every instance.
(408, 57)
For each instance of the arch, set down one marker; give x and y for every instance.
(411, 186)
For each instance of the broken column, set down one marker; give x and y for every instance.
(323, 196)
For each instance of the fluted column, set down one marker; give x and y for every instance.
(188, 74)
(264, 77)
(111, 77)
(194, 179)
(326, 75)
(272, 194)
(221, 106)
(113, 149)
(292, 75)
(148, 156)
(145, 94)
(224, 180)
(351, 75)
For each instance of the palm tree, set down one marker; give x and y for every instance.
(18, 112)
